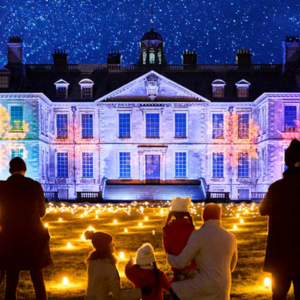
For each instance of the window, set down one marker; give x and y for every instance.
(43, 162)
(180, 125)
(152, 125)
(218, 92)
(62, 126)
(87, 165)
(62, 165)
(263, 119)
(151, 56)
(87, 126)
(124, 125)
(124, 163)
(61, 92)
(17, 153)
(243, 126)
(218, 165)
(16, 118)
(218, 126)
(244, 165)
(159, 56)
(290, 116)
(144, 57)
(242, 92)
(4, 81)
(86, 93)
(180, 164)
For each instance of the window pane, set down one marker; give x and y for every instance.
(244, 164)
(243, 126)
(180, 125)
(87, 165)
(218, 126)
(124, 125)
(152, 125)
(4, 81)
(16, 118)
(218, 92)
(87, 126)
(290, 116)
(243, 92)
(62, 165)
(62, 126)
(86, 93)
(17, 153)
(61, 92)
(180, 164)
(218, 165)
(124, 164)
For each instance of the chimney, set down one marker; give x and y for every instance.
(189, 57)
(114, 57)
(243, 58)
(291, 50)
(60, 58)
(15, 51)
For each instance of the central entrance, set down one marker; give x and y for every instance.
(152, 168)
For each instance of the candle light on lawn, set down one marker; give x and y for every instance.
(153, 232)
(65, 281)
(69, 245)
(122, 255)
(83, 237)
(91, 228)
(115, 221)
(146, 218)
(140, 224)
(46, 225)
(237, 215)
(60, 220)
(241, 221)
(125, 230)
(235, 227)
(81, 216)
(267, 282)
(96, 217)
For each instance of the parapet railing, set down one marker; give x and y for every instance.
(51, 196)
(210, 196)
(89, 195)
(258, 195)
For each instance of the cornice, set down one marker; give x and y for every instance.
(274, 96)
(22, 96)
(151, 104)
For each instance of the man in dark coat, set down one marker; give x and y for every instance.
(24, 241)
(282, 205)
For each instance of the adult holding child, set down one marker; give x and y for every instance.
(282, 205)
(215, 251)
(24, 241)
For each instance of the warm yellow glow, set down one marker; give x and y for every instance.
(125, 230)
(46, 225)
(235, 227)
(81, 216)
(69, 245)
(153, 232)
(60, 220)
(91, 228)
(83, 237)
(122, 255)
(115, 221)
(65, 281)
(146, 218)
(241, 221)
(237, 215)
(140, 224)
(267, 282)
(97, 217)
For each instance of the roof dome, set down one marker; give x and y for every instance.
(152, 35)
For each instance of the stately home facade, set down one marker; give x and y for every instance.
(150, 130)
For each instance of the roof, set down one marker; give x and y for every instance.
(152, 35)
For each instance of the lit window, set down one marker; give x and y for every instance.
(243, 126)
(61, 92)
(144, 57)
(180, 125)
(87, 165)
(151, 56)
(87, 126)
(218, 126)
(62, 126)
(218, 165)
(124, 125)
(124, 164)
(242, 92)
(180, 164)
(290, 116)
(152, 125)
(244, 165)
(4, 81)
(218, 87)
(62, 165)
(17, 153)
(159, 56)
(16, 118)
(86, 86)
(86, 93)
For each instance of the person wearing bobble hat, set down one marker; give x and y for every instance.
(282, 205)
(215, 252)
(176, 233)
(103, 275)
(145, 272)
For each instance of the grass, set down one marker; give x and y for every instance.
(247, 279)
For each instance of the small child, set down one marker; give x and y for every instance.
(176, 233)
(145, 272)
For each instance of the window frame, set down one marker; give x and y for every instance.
(296, 105)
(19, 150)
(212, 165)
(93, 124)
(186, 166)
(159, 120)
(130, 123)
(56, 164)
(240, 166)
(68, 125)
(10, 106)
(186, 123)
(212, 127)
(239, 113)
(119, 166)
(82, 164)
(220, 84)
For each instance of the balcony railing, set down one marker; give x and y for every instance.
(258, 195)
(89, 196)
(49, 196)
(218, 196)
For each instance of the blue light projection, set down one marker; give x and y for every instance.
(88, 29)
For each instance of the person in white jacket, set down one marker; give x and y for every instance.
(215, 252)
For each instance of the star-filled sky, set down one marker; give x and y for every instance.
(87, 29)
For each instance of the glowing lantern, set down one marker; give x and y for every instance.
(140, 224)
(146, 218)
(65, 281)
(267, 282)
(125, 230)
(81, 216)
(85, 213)
(153, 232)
(69, 245)
(235, 227)
(96, 217)
(115, 222)
(46, 225)
(60, 220)
(237, 215)
(241, 221)
(122, 255)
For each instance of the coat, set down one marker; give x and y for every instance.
(215, 252)
(142, 277)
(282, 205)
(104, 282)
(24, 241)
(175, 237)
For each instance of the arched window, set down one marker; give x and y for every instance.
(151, 56)
(144, 57)
(218, 87)
(159, 56)
(86, 86)
(61, 89)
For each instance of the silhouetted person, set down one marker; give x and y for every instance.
(24, 241)
(282, 205)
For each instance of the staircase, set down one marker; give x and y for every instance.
(152, 191)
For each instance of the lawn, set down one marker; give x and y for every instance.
(143, 223)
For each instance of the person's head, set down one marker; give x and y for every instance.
(211, 211)
(103, 244)
(17, 166)
(181, 204)
(292, 154)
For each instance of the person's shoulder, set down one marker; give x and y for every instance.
(32, 182)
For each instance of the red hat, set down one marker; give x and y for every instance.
(100, 240)
(212, 211)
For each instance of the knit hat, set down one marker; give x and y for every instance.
(292, 154)
(212, 211)
(100, 240)
(145, 255)
(17, 164)
(181, 204)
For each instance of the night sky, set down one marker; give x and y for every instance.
(87, 29)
